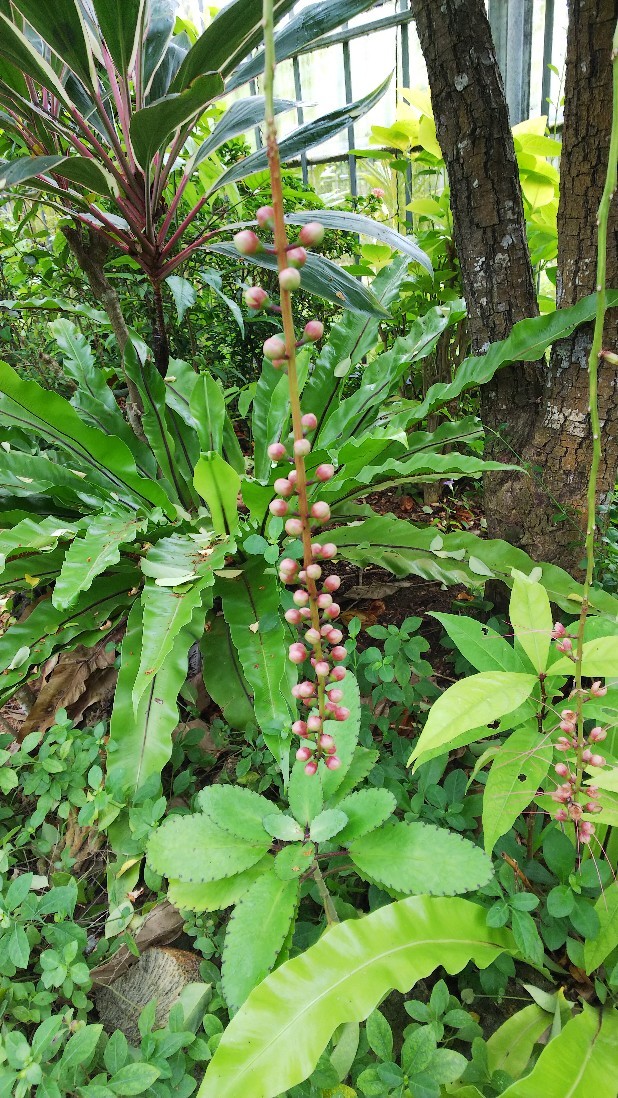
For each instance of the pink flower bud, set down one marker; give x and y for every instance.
(332, 583)
(311, 768)
(303, 754)
(333, 763)
(592, 791)
(297, 257)
(314, 724)
(576, 812)
(292, 476)
(265, 217)
(302, 447)
(297, 653)
(274, 347)
(294, 527)
(586, 755)
(593, 808)
(312, 636)
(255, 297)
(316, 549)
(338, 674)
(597, 734)
(562, 769)
(558, 630)
(302, 576)
(584, 834)
(311, 234)
(598, 760)
(301, 598)
(342, 714)
(320, 511)
(276, 451)
(299, 728)
(292, 616)
(287, 564)
(322, 669)
(562, 744)
(278, 507)
(327, 743)
(565, 645)
(568, 715)
(598, 691)
(324, 600)
(309, 421)
(561, 815)
(335, 695)
(289, 279)
(335, 636)
(247, 243)
(313, 330)
(325, 472)
(567, 726)
(306, 689)
(305, 612)
(378, 192)
(329, 551)
(314, 571)
(333, 611)
(338, 653)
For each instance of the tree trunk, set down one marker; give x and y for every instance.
(532, 413)
(90, 252)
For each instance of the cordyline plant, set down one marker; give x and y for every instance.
(103, 97)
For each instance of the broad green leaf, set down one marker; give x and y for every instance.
(304, 138)
(531, 617)
(294, 860)
(42, 535)
(240, 117)
(365, 226)
(319, 276)
(345, 735)
(120, 22)
(89, 556)
(15, 48)
(218, 484)
(578, 1063)
(234, 809)
(108, 461)
(193, 849)
(140, 741)
(79, 169)
(255, 935)
(26, 475)
(483, 647)
(208, 410)
(223, 676)
(599, 659)
(153, 127)
(231, 37)
(467, 705)
(341, 979)
(151, 388)
(420, 858)
(80, 1048)
(184, 294)
(363, 762)
(305, 797)
(217, 895)
(510, 1047)
(250, 601)
(597, 949)
(516, 773)
(282, 826)
(63, 27)
(366, 809)
(134, 1078)
(327, 824)
(419, 469)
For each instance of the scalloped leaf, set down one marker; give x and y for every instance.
(327, 824)
(234, 809)
(421, 858)
(256, 934)
(194, 850)
(217, 895)
(276, 1038)
(366, 810)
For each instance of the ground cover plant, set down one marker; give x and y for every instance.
(389, 871)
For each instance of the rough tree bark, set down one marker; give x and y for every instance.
(536, 412)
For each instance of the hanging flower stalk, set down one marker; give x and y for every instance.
(315, 611)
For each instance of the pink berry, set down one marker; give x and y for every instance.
(299, 728)
(329, 551)
(265, 216)
(301, 598)
(314, 330)
(297, 257)
(333, 763)
(303, 754)
(322, 669)
(338, 674)
(247, 243)
(255, 297)
(312, 636)
(325, 472)
(314, 723)
(278, 507)
(320, 511)
(294, 527)
(332, 583)
(312, 233)
(338, 653)
(297, 653)
(276, 451)
(292, 616)
(302, 447)
(314, 571)
(309, 421)
(274, 347)
(289, 279)
(311, 768)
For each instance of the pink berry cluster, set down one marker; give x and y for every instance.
(566, 794)
(314, 612)
(256, 297)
